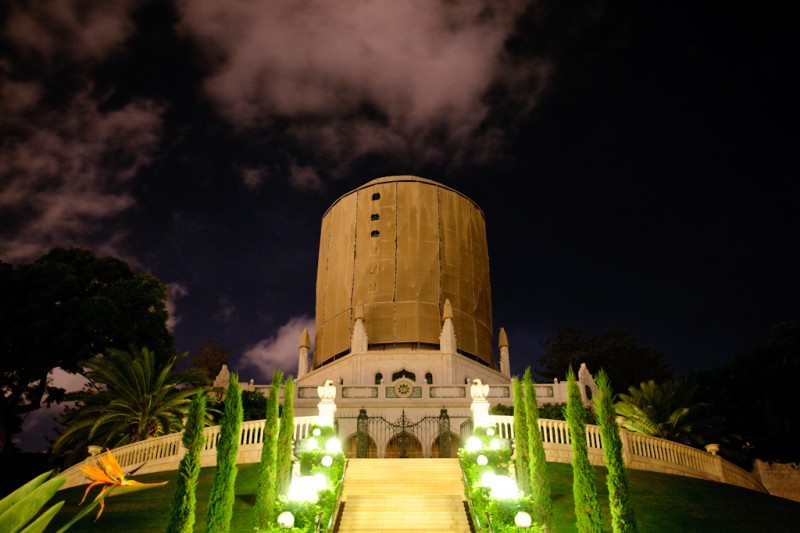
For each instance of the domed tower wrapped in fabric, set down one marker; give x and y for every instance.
(393, 252)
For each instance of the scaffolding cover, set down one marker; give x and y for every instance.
(401, 246)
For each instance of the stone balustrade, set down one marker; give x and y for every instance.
(164, 453)
(639, 452)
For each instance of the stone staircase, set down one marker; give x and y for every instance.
(402, 495)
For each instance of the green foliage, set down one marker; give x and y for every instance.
(523, 469)
(184, 499)
(500, 512)
(63, 309)
(286, 439)
(267, 478)
(541, 501)
(133, 396)
(501, 409)
(622, 515)
(220, 506)
(254, 405)
(626, 360)
(755, 394)
(670, 411)
(210, 357)
(19, 509)
(584, 490)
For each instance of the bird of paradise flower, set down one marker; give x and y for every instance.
(109, 475)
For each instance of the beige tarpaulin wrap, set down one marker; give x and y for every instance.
(401, 245)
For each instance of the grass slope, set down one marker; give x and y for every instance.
(662, 503)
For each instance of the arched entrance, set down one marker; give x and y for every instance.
(455, 444)
(404, 445)
(350, 447)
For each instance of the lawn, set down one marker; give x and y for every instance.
(662, 503)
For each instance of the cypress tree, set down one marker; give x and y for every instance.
(584, 490)
(522, 461)
(285, 438)
(622, 516)
(220, 503)
(541, 500)
(181, 514)
(267, 469)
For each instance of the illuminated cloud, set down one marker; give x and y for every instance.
(357, 78)
(227, 310)
(66, 169)
(175, 291)
(277, 352)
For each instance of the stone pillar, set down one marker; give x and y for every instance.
(327, 405)
(505, 364)
(716, 460)
(479, 406)
(447, 339)
(302, 361)
(359, 341)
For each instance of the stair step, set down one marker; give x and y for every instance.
(408, 495)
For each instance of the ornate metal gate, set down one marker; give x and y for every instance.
(403, 431)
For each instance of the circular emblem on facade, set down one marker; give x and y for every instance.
(403, 388)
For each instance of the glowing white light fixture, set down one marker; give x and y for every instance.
(474, 444)
(523, 520)
(503, 488)
(495, 444)
(286, 520)
(333, 446)
(316, 432)
(327, 460)
(490, 432)
(482, 460)
(487, 478)
(320, 482)
(311, 444)
(304, 489)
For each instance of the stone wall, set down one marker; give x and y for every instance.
(780, 479)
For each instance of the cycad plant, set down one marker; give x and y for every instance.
(668, 410)
(131, 397)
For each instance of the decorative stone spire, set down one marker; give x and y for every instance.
(502, 343)
(447, 339)
(302, 362)
(359, 341)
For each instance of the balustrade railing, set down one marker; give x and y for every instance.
(165, 452)
(640, 452)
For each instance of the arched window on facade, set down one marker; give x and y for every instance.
(429, 378)
(378, 378)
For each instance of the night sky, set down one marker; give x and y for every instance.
(637, 162)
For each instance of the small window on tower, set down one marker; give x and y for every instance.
(378, 378)
(374, 216)
(375, 233)
(376, 196)
(429, 378)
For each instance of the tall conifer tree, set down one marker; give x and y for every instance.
(184, 499)
(622, 516)
(584, 490)
(522, 460)
(220, 505)
(285, 438)
(267, 470)
(541, 499)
